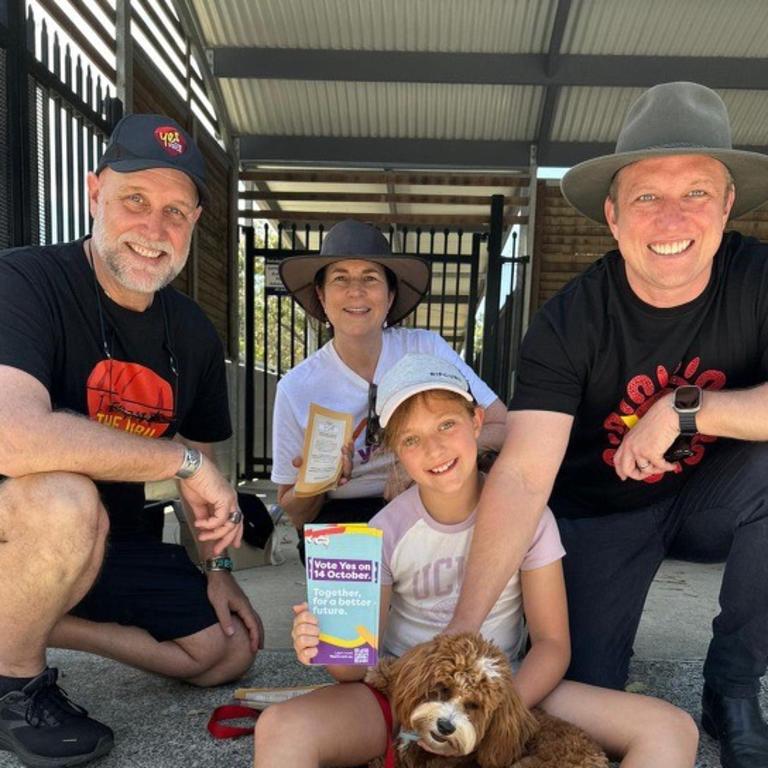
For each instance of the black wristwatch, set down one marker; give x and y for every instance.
(687, 403)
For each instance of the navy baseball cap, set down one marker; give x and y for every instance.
(142, 141)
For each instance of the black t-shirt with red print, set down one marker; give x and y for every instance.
(599, 353)
(50, 327)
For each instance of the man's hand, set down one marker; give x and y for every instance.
(641, 453)
(212, 501)
(227, 598)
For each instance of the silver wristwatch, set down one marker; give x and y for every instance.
(193, 460)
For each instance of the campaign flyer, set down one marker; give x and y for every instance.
(343, 591)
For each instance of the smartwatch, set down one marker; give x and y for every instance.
(687, 403)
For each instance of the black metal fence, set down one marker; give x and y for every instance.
(59, 113)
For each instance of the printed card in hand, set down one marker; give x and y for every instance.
(344, 591)
(321, 464)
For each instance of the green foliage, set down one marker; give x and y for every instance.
(285, 340)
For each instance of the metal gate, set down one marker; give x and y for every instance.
(278, 335)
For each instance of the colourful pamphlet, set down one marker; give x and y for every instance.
(344, 591)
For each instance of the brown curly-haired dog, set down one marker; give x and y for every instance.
(456, 693)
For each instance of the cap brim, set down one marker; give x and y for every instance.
(585, 186)
(298, 276)
(402, 395)
(129, 165)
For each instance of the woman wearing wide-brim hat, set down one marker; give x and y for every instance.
(358, 286)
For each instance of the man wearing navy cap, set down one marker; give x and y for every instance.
(110, 378)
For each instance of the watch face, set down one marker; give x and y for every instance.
(687, 398)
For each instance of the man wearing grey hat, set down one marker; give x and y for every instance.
(110, 378)
(641, 409)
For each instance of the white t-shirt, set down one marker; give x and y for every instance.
(423, 561)
(323, 378)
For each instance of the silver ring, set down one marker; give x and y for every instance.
(643, 467)
(236, 517)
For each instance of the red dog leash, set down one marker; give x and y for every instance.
(386, 710)
(220, 730)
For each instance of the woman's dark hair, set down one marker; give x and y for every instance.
(388, 273)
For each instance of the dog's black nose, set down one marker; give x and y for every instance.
(445, 726)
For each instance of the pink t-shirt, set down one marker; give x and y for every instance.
(423, 561)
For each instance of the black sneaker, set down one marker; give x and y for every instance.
(47, 730)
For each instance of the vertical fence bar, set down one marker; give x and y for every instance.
(457, 291)
(472, 305)
(250, 352)
(293, 306)
(430, 299)
(490, 370)
(446, 235)
(265, 373)
(19, 170)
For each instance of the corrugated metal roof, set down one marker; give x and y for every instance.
(668, 28)
(396, 110)
(591, 114)
(492, 26)
(596, 114)
(749, 115)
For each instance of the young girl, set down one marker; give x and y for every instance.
(432, 425)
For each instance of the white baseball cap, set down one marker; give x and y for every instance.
(416, 373)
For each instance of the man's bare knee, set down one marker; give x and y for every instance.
(225, 660)
(55, 504)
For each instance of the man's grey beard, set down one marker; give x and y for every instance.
(111, 257)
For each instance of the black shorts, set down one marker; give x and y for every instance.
(148, 584)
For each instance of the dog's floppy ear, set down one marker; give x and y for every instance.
(382, 676)
(511, 727)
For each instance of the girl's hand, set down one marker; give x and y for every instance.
(305, 633)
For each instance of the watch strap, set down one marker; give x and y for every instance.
(687, 423)
(220, 563)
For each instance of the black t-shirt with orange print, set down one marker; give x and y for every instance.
(50, 328)
(599, 353)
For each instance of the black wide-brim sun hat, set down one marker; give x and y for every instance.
(352, 239)
(670, 119)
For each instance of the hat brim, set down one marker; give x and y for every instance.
(412, 273)
(402, 395)
(129, 165)
(585, 186)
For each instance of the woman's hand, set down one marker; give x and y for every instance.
(305, 633)
(347, 452)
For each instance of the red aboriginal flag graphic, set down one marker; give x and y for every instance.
(130, 397)
(642, 392)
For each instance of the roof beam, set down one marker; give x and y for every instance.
(380, 197)
(412, 178)
(488, 68)
(551, 92)
(416, 153)
(384, 152)
(424, 219)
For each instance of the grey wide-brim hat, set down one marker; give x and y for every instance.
(670, 119)
(352, 239)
